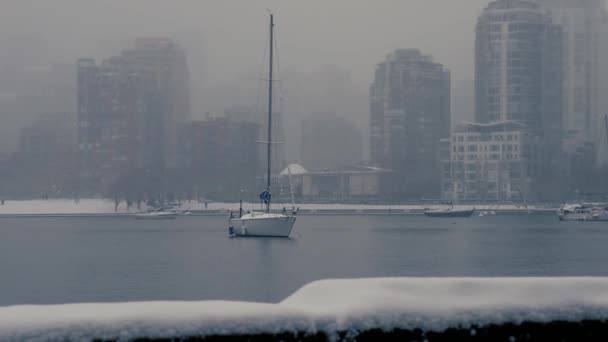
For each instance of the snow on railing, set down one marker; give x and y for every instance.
(335, 310)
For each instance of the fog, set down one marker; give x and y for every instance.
(327, 55)
(225, 39)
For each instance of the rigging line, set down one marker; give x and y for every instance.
(606, 123)
(261, 82)
(278, 68)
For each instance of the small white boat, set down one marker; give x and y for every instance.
(180, 212)
(156, 215)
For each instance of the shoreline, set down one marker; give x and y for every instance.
(319, 212)
(106, 208)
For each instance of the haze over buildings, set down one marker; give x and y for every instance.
(409, 114)
(225, 42)
(387, 76)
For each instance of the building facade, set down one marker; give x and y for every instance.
(518, 78)
(581, 22)
(132, 112)
(167, 63)
(409, 114)
(518, 66)
(491, 162)
(116, 115)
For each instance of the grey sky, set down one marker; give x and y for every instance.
(353, 33)
(225, 41)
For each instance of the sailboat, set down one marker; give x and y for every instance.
(264, 223)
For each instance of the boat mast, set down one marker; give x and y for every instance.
(269, 146)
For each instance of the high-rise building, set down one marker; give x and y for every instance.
(409, 115)
(518, 74)
(119, 122)
(329, 141)
(167, 63)
(518, 66)
(581, 22)
(133, 110)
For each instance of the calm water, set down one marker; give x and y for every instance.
(64, 260)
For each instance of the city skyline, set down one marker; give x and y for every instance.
(533, 64)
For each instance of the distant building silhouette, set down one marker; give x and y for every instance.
(409, 114)
(581, 22)
(243, 114)
(37, 89)
(225, 158)
(133, 110)
(47, 156)
(119, 123)
(329, 141)
(167, 63)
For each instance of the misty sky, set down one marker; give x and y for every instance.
(226, 41)
(355, 34)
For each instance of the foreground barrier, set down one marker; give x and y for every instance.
(403, 309)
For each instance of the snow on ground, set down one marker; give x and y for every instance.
(58, 206)
(330, 306)
(100, 206)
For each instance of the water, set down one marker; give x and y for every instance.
(66, 260)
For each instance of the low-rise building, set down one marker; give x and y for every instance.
(344, 184)
(491, 162)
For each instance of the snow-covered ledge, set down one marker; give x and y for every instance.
(329, 309)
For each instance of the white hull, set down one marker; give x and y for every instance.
(262, 225)
(584, 217)
(156, 216)
(584, 212)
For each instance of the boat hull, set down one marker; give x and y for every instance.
(583, 218)
(279, 226)
(164, 216)
(450, 213)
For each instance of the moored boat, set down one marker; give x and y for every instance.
(449, 213)
(260, 224)
(156, 215)
(266, 223)
(583, 212)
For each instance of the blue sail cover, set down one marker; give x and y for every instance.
(265, 196)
